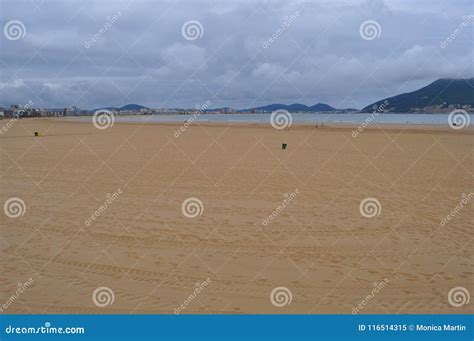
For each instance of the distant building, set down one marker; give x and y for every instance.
(8, 113)
(20, 113)
(56, 112)
(72, 111)
(227, 110)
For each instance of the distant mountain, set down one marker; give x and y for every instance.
(128, 107)
(321, 107)
(441, 95)
(295, 107)
(132, 107)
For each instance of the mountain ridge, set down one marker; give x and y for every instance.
(296, 107)
(125, 107)
(443, 94)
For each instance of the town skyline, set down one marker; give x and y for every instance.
(443, 95)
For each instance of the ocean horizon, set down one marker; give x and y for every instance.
(296, 118)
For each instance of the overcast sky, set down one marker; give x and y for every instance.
(100, 53)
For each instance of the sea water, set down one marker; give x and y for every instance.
(297, 118)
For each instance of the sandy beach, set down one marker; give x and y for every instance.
(269, 218)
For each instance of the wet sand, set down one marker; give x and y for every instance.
(318, 246)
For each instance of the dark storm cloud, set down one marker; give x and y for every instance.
(249, 53)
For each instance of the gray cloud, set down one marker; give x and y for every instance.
(316, 53)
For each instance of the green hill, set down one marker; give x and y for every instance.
(441, 95)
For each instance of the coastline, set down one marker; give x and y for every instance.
(393, 127)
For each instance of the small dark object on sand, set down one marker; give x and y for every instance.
(283, 146)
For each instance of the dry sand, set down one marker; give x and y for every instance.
(319, 246)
